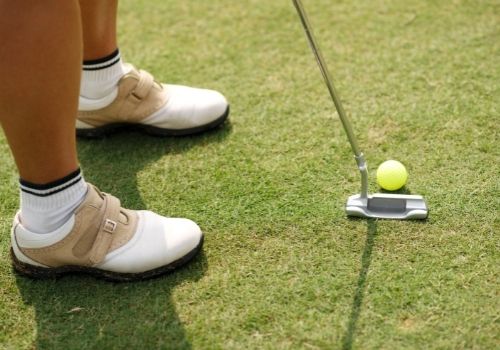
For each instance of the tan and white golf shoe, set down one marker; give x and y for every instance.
(159, 109)
(106, 240)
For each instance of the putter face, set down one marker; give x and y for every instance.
(387, 206)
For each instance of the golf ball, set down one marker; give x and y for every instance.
(391, 175)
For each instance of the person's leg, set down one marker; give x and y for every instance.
(102, 64)
(40, 56)
(65, 224)
(99, 28)
(113, 94)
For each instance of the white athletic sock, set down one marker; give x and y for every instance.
(100, 77)
(45, 208)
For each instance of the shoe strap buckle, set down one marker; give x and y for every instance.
(109, 226)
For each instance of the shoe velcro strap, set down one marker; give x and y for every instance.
(143, 87)
(110, 212)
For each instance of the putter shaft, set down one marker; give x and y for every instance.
(360, 159)
(327, 77)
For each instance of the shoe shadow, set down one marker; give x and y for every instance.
(80, 312)
(357, 302)
(112, 163)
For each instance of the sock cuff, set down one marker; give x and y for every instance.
(102, 63)
(99, 77)
(44, 190)
(45, 207)
(41, 204)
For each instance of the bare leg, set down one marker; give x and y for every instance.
(99, 28)
(40, 60)
(188, 111)
(40, 63)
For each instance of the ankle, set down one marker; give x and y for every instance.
(100, 77)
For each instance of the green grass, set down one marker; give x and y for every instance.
(283, 268)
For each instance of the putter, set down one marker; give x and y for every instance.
(378, 205)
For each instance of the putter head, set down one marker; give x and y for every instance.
(387, 206)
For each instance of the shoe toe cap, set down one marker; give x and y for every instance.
(192, 107)
(158, 242)
(181, 236)
(213, 104)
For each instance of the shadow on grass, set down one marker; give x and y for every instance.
(112, 163)
(366, 259)
(80, 312)
(402, 190)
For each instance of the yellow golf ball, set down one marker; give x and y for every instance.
(391, 175)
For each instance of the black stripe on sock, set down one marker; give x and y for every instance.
(102, 67)
(51, 192)
(48, 186)
(115, 53)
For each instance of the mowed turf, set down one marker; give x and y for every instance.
(283, 267)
